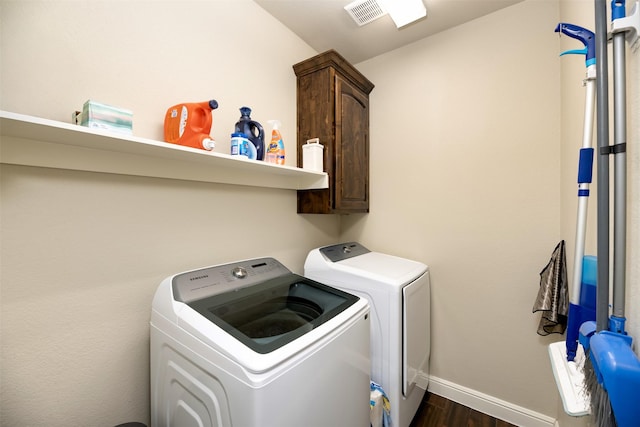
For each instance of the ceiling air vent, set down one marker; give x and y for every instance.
(365, 11)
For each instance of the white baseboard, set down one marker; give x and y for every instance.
(490, 405)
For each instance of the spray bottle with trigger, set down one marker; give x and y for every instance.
(582, 300)
(275, 150)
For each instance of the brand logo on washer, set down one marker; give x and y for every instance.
(204, 276)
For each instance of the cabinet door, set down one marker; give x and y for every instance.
(351, 148)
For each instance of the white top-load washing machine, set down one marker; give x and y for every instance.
(251, 344)
(398, 291)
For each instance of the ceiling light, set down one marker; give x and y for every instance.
(404, 12)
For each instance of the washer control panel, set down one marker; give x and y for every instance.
(194, 285)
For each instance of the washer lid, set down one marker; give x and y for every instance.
(266, 316)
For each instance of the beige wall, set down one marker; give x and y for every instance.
(474, 164)
(471, 173)
(465, 166)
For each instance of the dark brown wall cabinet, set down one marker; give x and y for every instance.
(333, 105)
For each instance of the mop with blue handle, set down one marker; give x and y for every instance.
(581, 311)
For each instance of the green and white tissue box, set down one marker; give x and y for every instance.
(107, 117)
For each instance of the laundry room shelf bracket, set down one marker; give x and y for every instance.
(33, 141)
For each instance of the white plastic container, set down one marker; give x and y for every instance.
(313, 155)
(241, 146)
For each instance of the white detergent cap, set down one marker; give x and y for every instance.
(208, 144)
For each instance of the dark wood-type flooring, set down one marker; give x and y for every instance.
(436, 411)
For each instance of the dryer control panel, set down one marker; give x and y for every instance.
(343, 251)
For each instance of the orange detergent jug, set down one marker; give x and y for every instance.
(190, 124)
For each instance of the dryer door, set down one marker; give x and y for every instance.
(416, 327)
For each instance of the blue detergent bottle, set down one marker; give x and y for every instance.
(253, 130)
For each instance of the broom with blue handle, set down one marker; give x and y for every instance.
(612, 369)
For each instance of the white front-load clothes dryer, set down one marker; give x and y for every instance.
(250, 344)
(398, 291)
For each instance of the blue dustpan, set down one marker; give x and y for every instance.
(618, 370)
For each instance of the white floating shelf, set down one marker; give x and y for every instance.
(33, 141)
